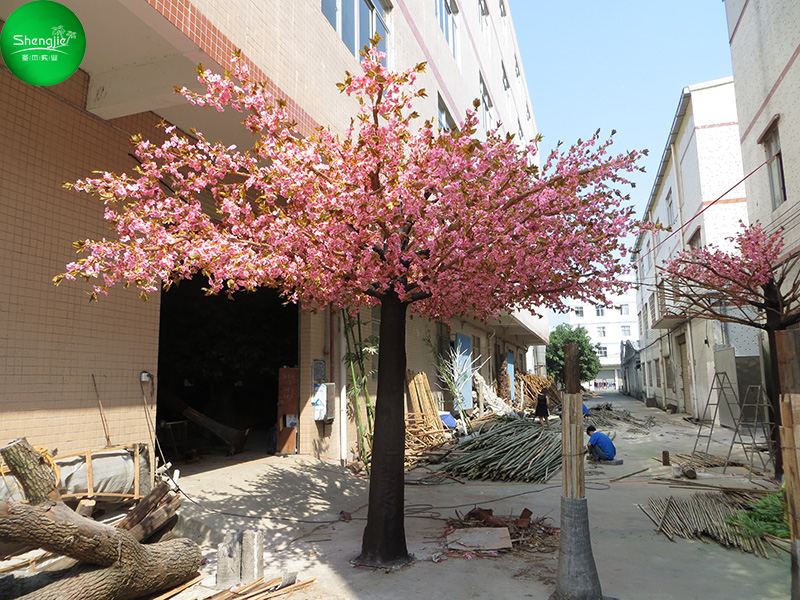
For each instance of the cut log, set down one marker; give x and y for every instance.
(117, 566)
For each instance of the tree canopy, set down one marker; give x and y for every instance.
(396, 213)
(588, 361)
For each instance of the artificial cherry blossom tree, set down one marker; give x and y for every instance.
(396, 213)
(749, 285)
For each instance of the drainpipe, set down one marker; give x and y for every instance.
(678, 176)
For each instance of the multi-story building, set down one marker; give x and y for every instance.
(765, 44)
(608, 329)
(699, 199)
(60, 354)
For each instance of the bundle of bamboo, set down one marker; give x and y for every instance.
(705, 516)
(514, 450)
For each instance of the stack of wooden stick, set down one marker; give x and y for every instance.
(260, 590)
(424, 429)
(534, 384)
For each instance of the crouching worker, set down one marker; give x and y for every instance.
(600, 445)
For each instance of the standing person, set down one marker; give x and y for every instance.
(600, 445)
(541, 410)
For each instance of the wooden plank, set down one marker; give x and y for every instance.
(791, 473)
(89, 481)
(177, 590)
(136, 467)
(145, 506)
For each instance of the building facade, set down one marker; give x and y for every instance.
(61, 355)
(608, 329)
(765, 45)
(699, 199)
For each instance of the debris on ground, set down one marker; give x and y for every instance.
(261, 590)
(527, 535)
(707, 517)
(604, 416)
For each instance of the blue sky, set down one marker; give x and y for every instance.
(617, 64)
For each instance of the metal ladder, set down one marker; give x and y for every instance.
(758, 422)
(722, 385)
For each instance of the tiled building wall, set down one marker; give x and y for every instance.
(52, 339)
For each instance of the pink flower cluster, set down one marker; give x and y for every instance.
(454, 223)
(740, 273)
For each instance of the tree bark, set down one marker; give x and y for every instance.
(119, 567)
(384, 542)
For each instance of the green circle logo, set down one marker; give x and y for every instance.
(43, 42)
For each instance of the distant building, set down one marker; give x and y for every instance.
(695, 194)
(608, 328)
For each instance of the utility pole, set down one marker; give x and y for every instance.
(577, 577)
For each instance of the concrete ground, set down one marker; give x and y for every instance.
(296, 501)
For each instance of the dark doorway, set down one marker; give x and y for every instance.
(221, 357)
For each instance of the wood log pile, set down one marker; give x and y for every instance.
(132, 559)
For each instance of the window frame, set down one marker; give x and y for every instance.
(771, 141)
(599, 311)
(378, 16)
(447, 17)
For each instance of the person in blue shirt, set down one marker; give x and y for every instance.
(585, 409)
(600, 445)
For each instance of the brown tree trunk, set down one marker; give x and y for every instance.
(384, 542)
(119, 567)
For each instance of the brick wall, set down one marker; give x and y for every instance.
(52, 340)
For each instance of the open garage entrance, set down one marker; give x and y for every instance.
(218, 367)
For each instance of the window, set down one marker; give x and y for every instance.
(668, 374)
(357, 21)
(644, 319)
(647, 257)
(626, 330)
(503, 12)
(506, 84)
(578, 311)
(695, 241)
(602, 351)
(517, 72)
(657, 369)
(446, 14)
(483, 11)
(653, 307)
(601, 332)
(650, 372)
(772, 146)
(446, 122)
(670, 209)
(486, 107)
(599, 311)
(624, 309)
(520, 134)
(476, 347)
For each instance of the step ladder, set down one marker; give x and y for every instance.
(752, 421)
(721, 390)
